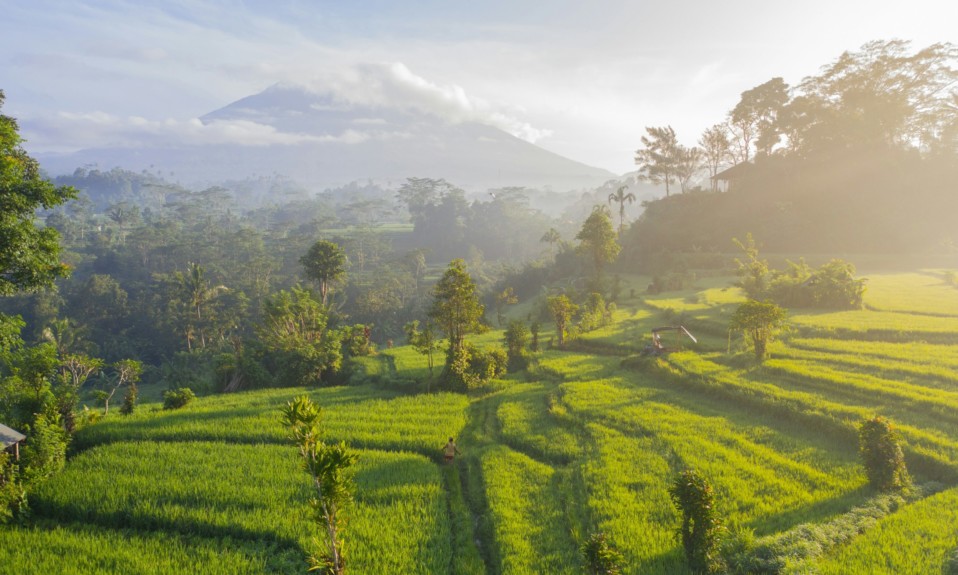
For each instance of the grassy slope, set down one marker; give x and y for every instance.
(583, 442)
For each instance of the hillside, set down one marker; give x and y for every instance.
(587, 440)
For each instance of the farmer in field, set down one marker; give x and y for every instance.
(450, 451)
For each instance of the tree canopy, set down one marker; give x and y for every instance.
(29, 254)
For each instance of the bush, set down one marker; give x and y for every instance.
(45, 449)
(601, 556)
(880, 450)
(177, 398)
(692, 495)
(129, 400)
(13, 498)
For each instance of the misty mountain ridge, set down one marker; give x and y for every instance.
(321, 142)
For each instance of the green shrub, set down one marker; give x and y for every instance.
(693, 496)
(13, 498)
(129, 400)
(177, 398)
(601, 555)
(880, 450)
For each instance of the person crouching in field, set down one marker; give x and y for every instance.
(450, 451)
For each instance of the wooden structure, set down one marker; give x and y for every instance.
(10, 440)
(730, 175)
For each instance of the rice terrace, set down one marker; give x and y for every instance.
(451, 288)
(588, 439)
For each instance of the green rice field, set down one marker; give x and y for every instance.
(588, 439)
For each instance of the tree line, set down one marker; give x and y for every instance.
(859, 157)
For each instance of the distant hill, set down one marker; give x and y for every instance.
(328, 143)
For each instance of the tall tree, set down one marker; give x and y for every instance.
(754, 119)
(688, 162)
(551, 237)
(657, 159)
(29, 255)
(880, 96)
(597, 240)
(456, 308)
(197, 292)
(621, 197)
(324, 263)
(715, 150)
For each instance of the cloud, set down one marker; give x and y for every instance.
(394, 86)
(75, 131)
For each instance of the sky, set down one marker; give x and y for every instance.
(582, 79)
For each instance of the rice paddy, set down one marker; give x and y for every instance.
(588, 440)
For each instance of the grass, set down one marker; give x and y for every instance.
(588, 439)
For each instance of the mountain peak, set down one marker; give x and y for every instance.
(322, 141)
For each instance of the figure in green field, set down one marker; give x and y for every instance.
(450, 451)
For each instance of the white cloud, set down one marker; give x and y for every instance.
(75, 131)
(394, 86)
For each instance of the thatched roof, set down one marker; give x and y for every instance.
(9, 436)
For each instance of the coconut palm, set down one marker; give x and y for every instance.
(621, 197)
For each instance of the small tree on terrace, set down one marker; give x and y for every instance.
(597, 240)
(692, 495)
(422, 340)
(562, 310)
(880, 450)
(125, 371)
(758, 321)
(328, 465)
(456, 308)
(324, 263)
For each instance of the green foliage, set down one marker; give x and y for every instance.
(456, 308)
(29, 255)
(759, 322)
(692, 494)
(597, 239)
(125, 372)
(328, 465)
(595, 313)
(129, 400)
(516, 340)
(752, 271)
(562, 310)
(13, 497)
(470, 367)
(423, 341)
(44, 451)
(357, 340)
(601, 555)
(880, 450)
(324, 263)
(178, 398)
(294, 331)
(910, 540)
(800, 548)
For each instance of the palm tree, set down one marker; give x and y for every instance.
(552, 237)
(621, 197)
(197, 293)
